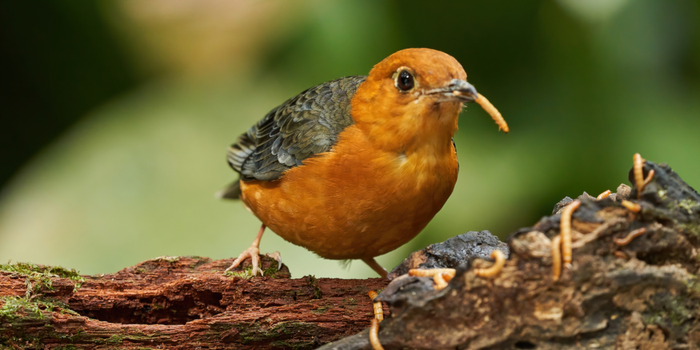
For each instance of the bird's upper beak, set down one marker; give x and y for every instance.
(456, 90)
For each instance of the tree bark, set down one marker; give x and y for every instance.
(178, 303)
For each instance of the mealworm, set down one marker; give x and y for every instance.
(639, 174)
(565, 228)
(440, 276)
(374, 335)
(492, 111)
(621, 255)
(431, 272)
(378, 311)
(495, 269)
(603, 195)
(650, 176)
(630, 236)
(556, 257)
(440, 282)
(633, 207)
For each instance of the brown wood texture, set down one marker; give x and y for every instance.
(179, 303)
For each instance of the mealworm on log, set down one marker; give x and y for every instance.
(556, 257)
(565, 228)
(378, 311)
(431, 272)
(495, 269)
(639, 179)
(374, 335)
(603, 195)
(630, 236)
(440, 282)
(633, 207)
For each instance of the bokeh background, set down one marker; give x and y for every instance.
(116, 115)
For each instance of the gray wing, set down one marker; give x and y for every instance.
(299, 128)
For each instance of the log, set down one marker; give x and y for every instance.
(178, 303)
(640, 293)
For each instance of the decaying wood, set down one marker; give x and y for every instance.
(178, 303)
(642, 295)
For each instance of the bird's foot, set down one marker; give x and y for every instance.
(254, 254)
(276, 256)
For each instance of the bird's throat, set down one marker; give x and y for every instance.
(416, 129)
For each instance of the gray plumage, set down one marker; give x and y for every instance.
(299, 128)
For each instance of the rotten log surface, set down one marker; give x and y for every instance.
(178, 303)
(643, 296)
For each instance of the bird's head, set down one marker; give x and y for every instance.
(413, 96)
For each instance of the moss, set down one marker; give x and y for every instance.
(27, 308)
(170, 259)
(245, 274)
(688, 205)
(113, 340)
(693, 285)
(670, 312)
(138, 338)
(692, 228)
(314, 283)
(39, 277)
(321, 310)
(271, 271)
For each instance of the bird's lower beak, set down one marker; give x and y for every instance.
(456, 90)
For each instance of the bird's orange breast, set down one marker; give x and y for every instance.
(356, 201)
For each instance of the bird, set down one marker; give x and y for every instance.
(355, 167)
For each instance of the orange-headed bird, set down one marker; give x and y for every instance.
(355, 167)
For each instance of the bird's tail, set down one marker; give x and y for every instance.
(232, 191)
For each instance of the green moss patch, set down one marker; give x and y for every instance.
(245, 274)
(27, 308)
(39, 277)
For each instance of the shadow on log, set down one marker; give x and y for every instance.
(641, 295)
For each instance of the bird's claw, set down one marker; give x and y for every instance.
(254, 254)
(276, 256)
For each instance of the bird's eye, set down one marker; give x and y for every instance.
(404, 81)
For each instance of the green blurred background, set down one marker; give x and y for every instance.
(116, 115)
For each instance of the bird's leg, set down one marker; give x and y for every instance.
(375, 266)
(254, 253)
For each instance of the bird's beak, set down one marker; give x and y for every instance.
(457, 90)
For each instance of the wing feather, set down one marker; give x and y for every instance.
(301, 127)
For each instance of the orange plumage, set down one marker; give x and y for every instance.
(387, 174)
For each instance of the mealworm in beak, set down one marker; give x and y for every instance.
(493, 112)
